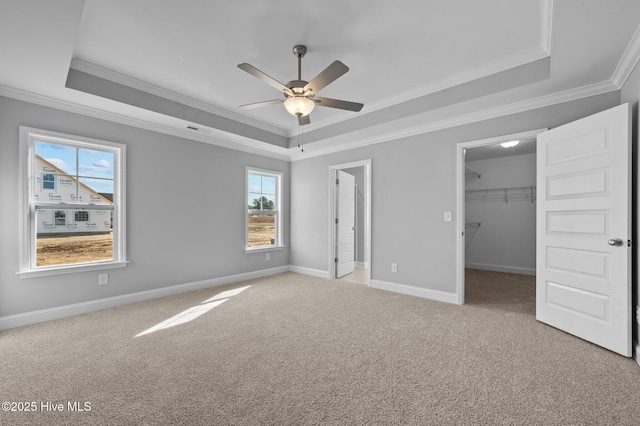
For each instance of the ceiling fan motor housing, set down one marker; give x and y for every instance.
(297, 86)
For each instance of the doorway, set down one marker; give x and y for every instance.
(361, 195)
(467, 228)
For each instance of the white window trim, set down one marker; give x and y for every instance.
(26, 221)
(279, 241)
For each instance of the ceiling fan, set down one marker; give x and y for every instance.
(299, 95)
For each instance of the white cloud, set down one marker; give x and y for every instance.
(59, 163)
(102, 164)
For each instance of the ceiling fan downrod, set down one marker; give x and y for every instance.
(299, 50)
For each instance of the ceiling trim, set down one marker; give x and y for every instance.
(629, 60)
(547, 17)
(239, 143)
(213, 137)
(516, 60)
(134, 83)
(547, 23)
(332, 146)
(468, 76)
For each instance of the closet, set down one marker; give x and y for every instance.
(500, 209)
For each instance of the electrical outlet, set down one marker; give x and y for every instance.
(394, 267)
(447, 216)
(103, 279)
(267, 256)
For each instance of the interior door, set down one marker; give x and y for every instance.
(583, 263)
(346, 214)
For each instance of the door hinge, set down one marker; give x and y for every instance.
(335, 260)
(336, 220)
(337, 181)
(628, 243)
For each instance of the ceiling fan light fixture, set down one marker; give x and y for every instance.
(509, 144)
(299, 106)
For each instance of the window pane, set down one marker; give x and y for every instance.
(73, 236)
(254, 200)
(61, 157)
(255, 183)
(96, 191)
(268, 185)
(95, 163)
(262, 228)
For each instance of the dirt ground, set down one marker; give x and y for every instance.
(74, 249)
(261, 231)
(93, 248)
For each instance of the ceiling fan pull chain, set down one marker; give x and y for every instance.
(300, 138)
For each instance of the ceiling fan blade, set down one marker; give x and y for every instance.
(326, 77)
(336, 103)
(262, 104)
(265, 78)
(304, 119)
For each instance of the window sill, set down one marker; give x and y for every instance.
(70, 269)
(261, 249)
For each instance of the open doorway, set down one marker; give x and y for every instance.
(496, 215)
(358, 194)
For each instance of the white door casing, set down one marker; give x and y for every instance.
(345, 212)
(583, 279)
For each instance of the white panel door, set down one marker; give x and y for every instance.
(346, 214)
(583, 264)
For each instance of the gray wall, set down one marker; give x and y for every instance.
(506, 239)
(185, 212)
(415, 174)
(631, 93)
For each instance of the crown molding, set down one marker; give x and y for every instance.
(547, 23)
(628, 61)
(547, 20)
(209, 135)
(239, 143)
(333, 146)
(125, 80)
(519, 59)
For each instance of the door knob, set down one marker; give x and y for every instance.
(616, 242)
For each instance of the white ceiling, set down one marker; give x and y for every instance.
(406, 61)
(486, 152)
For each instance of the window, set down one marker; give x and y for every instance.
(61, 217)
(48, 181)
(72, 210)
(82, 216)
(264, 216)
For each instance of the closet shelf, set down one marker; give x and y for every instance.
(504, 195)
(469, 174)
(471, 225)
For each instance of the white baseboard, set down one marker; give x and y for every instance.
(636, 353)
(501, 268)
(308, 271)
(33, 317)
(425, 293)
(362, 265)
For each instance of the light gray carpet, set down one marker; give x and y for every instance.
(297, 350)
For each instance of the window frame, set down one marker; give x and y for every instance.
(27, 209)
(279, 244)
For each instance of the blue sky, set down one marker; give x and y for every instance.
(95, 168)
